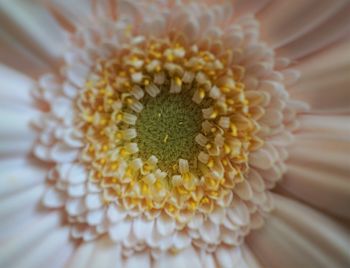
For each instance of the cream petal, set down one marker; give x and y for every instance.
(76, 190)
(185, 258)
(90, 234)
(138, 260)
(77, 174)
(75, 206)
(165, 224)
(82, 255)
(62, 256)
(130, 10)
(24, 240)
(16, 209)
(324, 126)
(17, 124)
(73, 12)
(207, 260)
(325, 86)
(24, 21)
(282, 29)
(243, 190)
(181, 240)
(21, 178)
(106, 254)
(95, 217)
(255, 181)
(196, 221)
(15, 87)
(11, 51)
(43, 253)
(20, 243)
(331, 30)
(261, 159)
(249, 6)
(249, 257)
(63, 153)
(209, 232)
(217, 215)
(297, 241)
(238, 213)
(228, 237)
(120, 231)
(229, 257)
(54, 198)
(115, 213)
(142, 228)
(334, 56)
(93, 201)
(12, 148)
(77, 74)
(322, 188)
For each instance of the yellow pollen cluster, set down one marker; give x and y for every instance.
(111, 104)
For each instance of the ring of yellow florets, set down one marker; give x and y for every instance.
(122, 97)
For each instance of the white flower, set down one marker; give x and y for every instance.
(154, 133)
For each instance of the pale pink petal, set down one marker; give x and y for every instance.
(297, 236)
(325, 80)
(185, 258)
(82, 255)
(331, 30)
(138, 260)
(24, 21)
(318, 173)
(106, 254)
(280, 23)
(24, 240)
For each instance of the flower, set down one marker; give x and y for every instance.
(161, 130)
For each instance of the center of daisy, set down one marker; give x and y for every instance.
(167, 127)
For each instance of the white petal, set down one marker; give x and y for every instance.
(142, 228)
(185, 258)
(230, 257)
(209, 232)
(120, 230)
(77, 174)
(138, 260)
(95, 217)
(93, 201)
(165, 224)
(243, 190)
(238, 213)
(115, 213)
(39, 228)
(181, 240)
(106, 254)
(54, 198)
(75, 206)
(43, 253)
(61, 153)
(82, 255)
(296, 239)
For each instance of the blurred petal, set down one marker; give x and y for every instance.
(297, 236)
(331, 30)
(24, 20)
(319, 166)
(280, 23)
(325, 80)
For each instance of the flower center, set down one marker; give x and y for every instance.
(167, 127)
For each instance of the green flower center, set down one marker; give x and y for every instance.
(167, 127)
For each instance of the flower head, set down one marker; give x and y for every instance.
(166, 130)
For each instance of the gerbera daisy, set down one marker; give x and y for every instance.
(175, 134)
